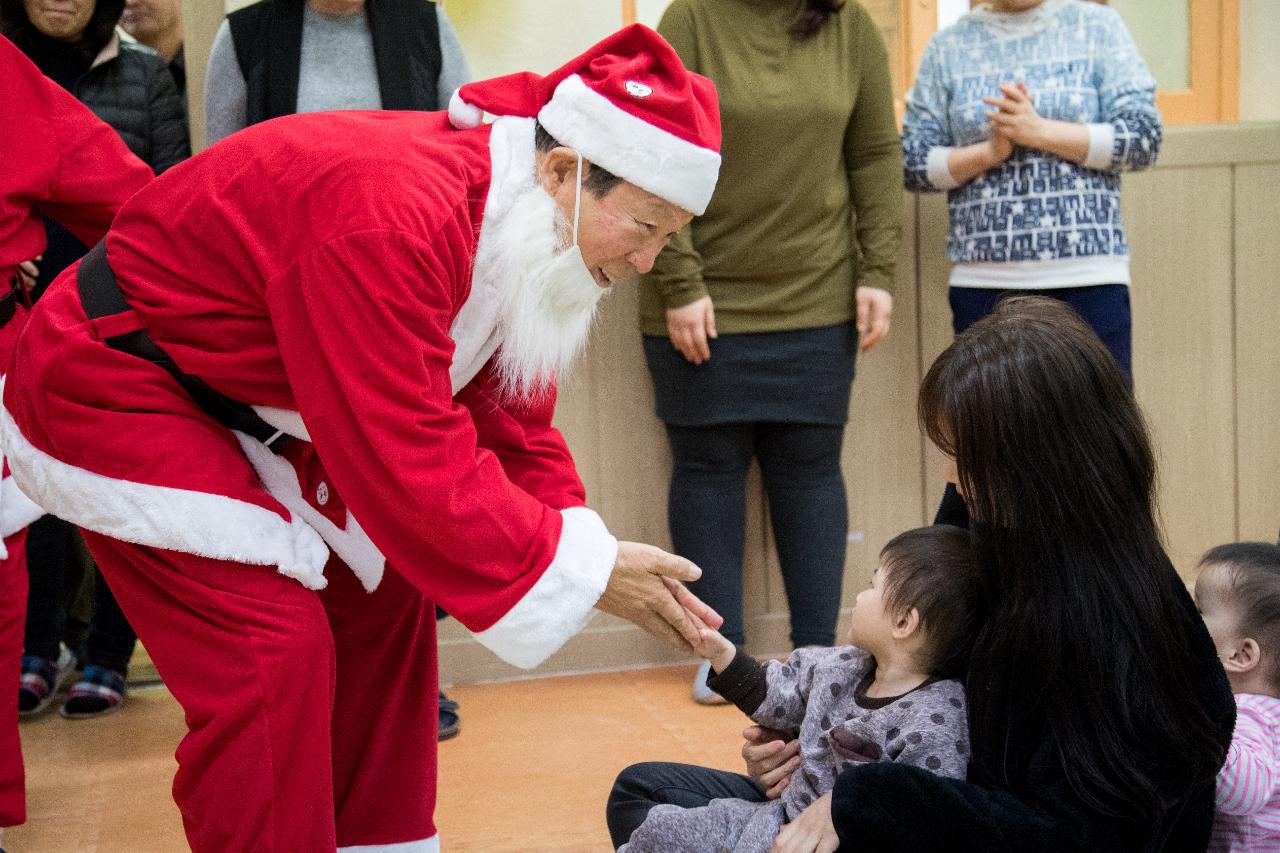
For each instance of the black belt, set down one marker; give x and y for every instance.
(101, 297)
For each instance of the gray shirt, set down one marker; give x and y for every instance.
(337, 70)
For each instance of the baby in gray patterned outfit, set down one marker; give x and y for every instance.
(889, 696)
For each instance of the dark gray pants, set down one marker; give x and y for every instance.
(642, 786)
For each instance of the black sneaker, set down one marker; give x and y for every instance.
(450, 725)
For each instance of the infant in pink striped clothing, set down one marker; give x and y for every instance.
(1238, 593)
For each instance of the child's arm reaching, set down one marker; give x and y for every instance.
(712, 645)
(774, 694)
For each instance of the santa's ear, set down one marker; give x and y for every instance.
(907, 624)
(1245, 657)
(556, 168)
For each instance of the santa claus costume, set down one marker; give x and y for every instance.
(348, 276)
(60, 160)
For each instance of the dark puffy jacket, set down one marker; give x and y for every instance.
(134, 92)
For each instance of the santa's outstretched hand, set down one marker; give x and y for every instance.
(645, 589)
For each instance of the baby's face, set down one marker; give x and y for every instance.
(869, 624)
(1214, 604)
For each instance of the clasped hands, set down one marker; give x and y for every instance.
(645, 588)
(1014, 121)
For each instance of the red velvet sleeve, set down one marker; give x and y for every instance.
(532, 452)
(362, 322)
(58, 158)
(96, 172)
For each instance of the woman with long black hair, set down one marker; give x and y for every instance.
(1098, 711)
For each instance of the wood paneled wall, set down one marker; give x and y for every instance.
(1205, 233)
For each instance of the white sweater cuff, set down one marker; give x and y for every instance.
(1102, 139)
(936, 168)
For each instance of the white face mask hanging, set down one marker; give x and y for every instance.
(568, 265)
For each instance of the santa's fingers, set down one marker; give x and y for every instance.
(654, 624)
(666, 620)
(673, 566)
(693, 604)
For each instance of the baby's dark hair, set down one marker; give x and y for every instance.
(1253, 587)
(935, 570)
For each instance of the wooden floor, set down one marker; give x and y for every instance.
(530, 771)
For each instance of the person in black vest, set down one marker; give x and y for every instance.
(130, 88)
(280, 57)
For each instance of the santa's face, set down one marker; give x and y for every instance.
(620, 233)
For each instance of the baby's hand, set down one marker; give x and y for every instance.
(711, 644)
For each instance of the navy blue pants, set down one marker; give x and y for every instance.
(1105, 307)
(800, 466)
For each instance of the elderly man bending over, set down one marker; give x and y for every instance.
(303, 391)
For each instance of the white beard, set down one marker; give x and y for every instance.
(548, 297)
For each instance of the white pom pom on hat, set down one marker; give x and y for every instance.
(462, 115)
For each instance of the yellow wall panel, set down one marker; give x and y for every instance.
(1179, 226)
(1257, 324)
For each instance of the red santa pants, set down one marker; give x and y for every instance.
(311, 716)
(13, 612)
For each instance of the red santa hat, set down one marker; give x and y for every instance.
(628, 105)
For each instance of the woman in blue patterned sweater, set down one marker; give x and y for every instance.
(1026, 112)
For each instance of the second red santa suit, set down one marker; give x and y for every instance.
(60, 161)
(330, 271)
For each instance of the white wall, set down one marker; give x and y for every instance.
(529, 35)
(650, 11)
(1259, 60)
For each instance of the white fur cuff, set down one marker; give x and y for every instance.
(425, 845)
(560, 603)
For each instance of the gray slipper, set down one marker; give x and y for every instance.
(702, 694)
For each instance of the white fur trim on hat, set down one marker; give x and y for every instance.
(463, 115)
(636, 151)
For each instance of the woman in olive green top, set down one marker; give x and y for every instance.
(752, 317)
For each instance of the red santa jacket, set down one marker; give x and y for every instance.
(61, 160)
(315, 267)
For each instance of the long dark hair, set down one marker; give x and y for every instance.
(814, 17)
(1086, 643)
(17, 27)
